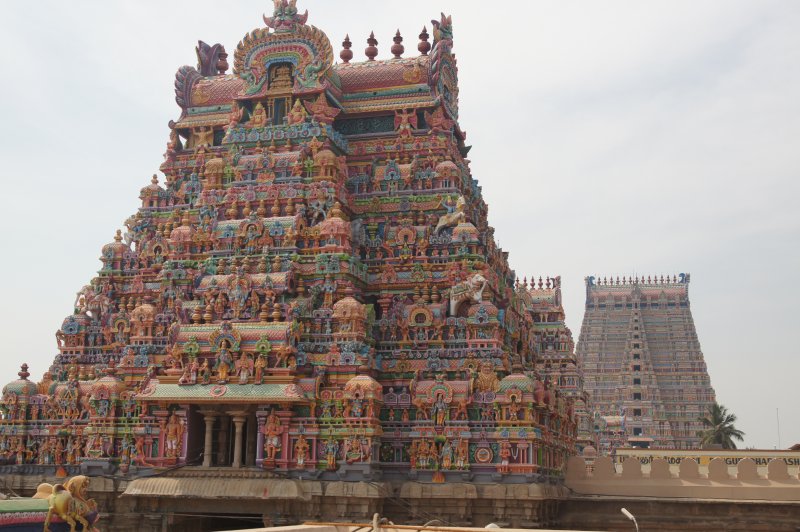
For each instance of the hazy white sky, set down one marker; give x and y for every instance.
(609, 138)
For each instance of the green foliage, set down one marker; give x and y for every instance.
(720, 428)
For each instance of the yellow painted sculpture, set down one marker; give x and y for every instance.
(70, 502)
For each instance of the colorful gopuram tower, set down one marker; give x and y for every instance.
(554, 351)
(643, 367)
(312, 289)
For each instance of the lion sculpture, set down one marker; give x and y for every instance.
(70, 502)
(469, 290)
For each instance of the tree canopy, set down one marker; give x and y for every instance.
(720, 427)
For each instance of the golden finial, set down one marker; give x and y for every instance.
(336, 210)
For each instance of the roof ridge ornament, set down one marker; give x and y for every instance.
(443, 29)
(285, 17)
(346, 54)
(372, 47)
(397, 48)
(424, 46)
(212, 60)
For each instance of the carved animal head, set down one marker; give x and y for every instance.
(477, 280)
(78, 486)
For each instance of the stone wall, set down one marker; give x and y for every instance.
(188, 500)
(677, 515)
(590, 499)
(747, 485)
(688, 500)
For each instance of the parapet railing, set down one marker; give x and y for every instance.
(720, 482)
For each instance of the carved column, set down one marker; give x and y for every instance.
(260, 420)
(250, 446)
(238, 420)
(148, 444)
(522, 449)
(286, 451)
(209, 417)
(183, 449)
(161, 418)
(314, 455)
(222, 440)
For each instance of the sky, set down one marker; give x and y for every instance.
(610, 138)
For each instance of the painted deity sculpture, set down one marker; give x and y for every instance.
(331, 452)
(260, 366)
(297, 114)
(454, 216)
(301, 451)
(174, 442)
(224, 363)
(486, 380)
(244, 368)
(259, 116)
(272, 432)
(440, 410)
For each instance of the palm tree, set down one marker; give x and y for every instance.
(720, 429)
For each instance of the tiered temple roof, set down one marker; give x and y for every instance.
(554, 349)
(642, 362)
(312, 286)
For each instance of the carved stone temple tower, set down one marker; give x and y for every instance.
(643, 367)
(311, 290)
(554, 350)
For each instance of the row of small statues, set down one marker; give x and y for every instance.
(225, 368)
(424, 454)
(353, 408)
(353, 448)
(70, 450)
(69, 408)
